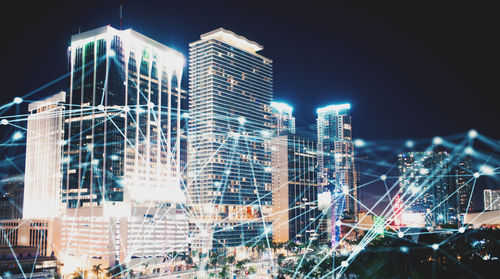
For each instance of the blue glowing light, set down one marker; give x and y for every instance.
(333, 108)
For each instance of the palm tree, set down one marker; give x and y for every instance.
(77, 274)
(96, 270)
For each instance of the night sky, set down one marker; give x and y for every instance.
(409, 71)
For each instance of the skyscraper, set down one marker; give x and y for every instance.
(295, 189)
(282, 120)
(123, 126)
(336, 164)
(122, 164)
(463, 184)
(229, 181)
(42, 186)
(425, 185)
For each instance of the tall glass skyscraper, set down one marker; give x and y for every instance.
(123, 126)
(282, 120)
(229, 177)
(426, 184)
(336, 164)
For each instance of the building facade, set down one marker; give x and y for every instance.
(337, 173)
(229, 181)
(42, 186)
(123, 127)
(283, 122)
(425, 184)
(295, 189)
(11, 197)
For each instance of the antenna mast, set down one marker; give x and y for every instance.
(121, 14)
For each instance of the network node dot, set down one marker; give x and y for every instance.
(100, 107)
(435, 246)
(437, 140)
(461, 230)
(383, 177)
(472, 134)
(401, 234)
(469, 150)
(476, 175)
(344, 264)
(410, 144)
(17, 100)
(4, 122)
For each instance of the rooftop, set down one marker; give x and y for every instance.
(333, 108)
(232, 39)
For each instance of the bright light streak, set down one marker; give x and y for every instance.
(487, 170)
(17, 135)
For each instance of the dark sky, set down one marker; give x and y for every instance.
(409, 70)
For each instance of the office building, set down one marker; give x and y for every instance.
(282, 120)
(337, 173)
(425, 184)
(229, 181)
(463, 185)
(491, 199)
(11, 197)
(295, 189)
(123, 125)
(42, 186)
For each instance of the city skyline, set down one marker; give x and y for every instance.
(151, 155)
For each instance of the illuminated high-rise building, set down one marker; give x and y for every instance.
(42, 186)
(338, 178)
(426, 184)
(123, 151)
(229, 177)
(295, 189)
(282, 120)
(123, 126)
(463, 185)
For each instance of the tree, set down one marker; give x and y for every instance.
(251, 270)
(96, 270)
(77, 274)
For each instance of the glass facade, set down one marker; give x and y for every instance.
(229, 184)
(123, 127)
(295, 189)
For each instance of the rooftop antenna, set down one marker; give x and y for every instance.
(121, 14)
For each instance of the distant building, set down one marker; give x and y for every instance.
(230, 87)
(295, 189)
(44, 141)
(11, 197)
(491, 199)
(282, 120)
(463, 185)
(338, 177)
